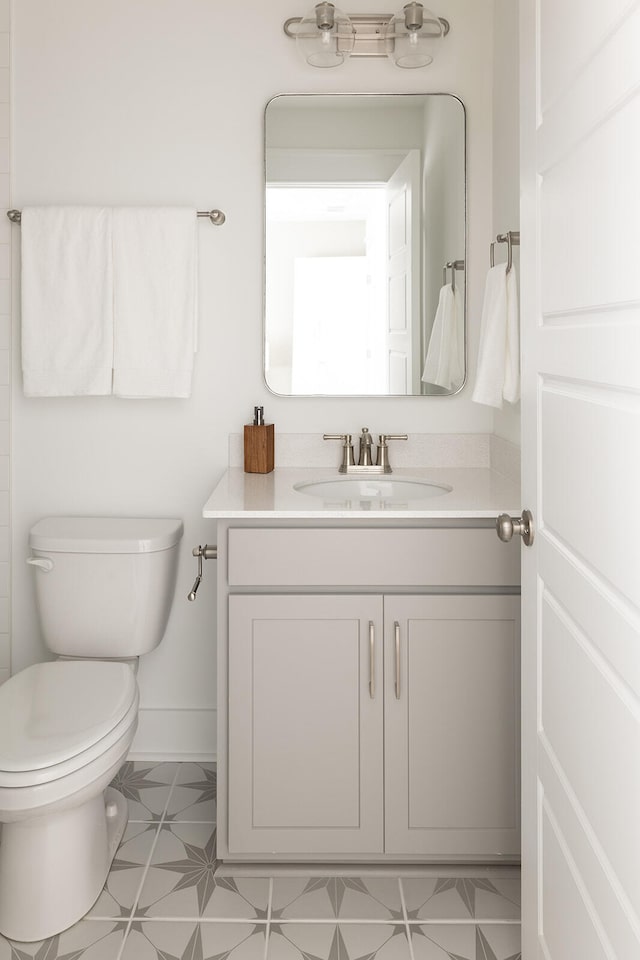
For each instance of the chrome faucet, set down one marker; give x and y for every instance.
(366, 441)
(365, 463)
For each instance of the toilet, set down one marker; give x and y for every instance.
(104, 589)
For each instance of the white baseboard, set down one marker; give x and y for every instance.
(173, 734)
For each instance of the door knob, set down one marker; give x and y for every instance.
(506, 526)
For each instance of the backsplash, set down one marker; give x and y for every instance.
(420, 450)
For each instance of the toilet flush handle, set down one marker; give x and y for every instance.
(42, 562)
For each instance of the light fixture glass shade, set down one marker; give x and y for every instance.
(325, 36)
(412, 36)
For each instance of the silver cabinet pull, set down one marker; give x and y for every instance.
(372, 660)
(396, 631)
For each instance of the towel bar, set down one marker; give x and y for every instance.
(217, 217)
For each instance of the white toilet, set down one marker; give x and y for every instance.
(104, 588)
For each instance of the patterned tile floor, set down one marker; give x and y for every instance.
(162, 900)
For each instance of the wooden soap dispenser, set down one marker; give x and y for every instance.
(259, 444)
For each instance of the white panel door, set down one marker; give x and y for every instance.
(403, 277)
(580, 287)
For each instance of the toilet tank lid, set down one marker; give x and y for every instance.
(104, 534)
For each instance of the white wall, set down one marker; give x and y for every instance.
(161, 102)
(5, 328)
(506, 160)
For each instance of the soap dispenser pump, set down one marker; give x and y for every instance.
(259, 444)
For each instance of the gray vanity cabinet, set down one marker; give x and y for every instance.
(452, 725)
(371, 683)
(305, 725)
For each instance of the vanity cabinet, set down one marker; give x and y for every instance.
(305, 724)
(372, 705)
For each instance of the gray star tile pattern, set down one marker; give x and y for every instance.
(164, 900)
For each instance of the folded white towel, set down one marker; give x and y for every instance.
(67, 334)
(498, 373)
(154, 301)
(444, 364)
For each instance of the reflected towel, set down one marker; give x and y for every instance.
(154, 301)
(498, 373)
(444, 364)
(67, 334)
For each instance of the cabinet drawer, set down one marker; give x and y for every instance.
(371, 558)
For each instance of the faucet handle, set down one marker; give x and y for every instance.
(382, 458)
(347, 449)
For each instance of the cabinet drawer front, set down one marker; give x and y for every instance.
(378, 558)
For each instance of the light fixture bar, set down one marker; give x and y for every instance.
(369, 32)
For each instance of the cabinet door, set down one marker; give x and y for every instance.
(452, 725)
(305, 724)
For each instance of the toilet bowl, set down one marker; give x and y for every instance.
(66, 726)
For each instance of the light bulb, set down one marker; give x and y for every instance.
(325, 36)
(412, 36)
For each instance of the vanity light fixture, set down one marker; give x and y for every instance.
(327, 37)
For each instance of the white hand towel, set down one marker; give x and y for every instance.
(154, 252)
(498, 373)
(67, 334)
(511, 389)
(444, 364)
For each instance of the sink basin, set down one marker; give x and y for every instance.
(372, 489)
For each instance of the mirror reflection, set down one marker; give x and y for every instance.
(365, 245)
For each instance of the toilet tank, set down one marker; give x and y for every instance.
(110, 585)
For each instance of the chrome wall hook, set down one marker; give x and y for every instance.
(452, 265)
(512, 239)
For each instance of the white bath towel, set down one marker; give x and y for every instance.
(444, 364)
(67, 333)
(498, 373)
(154, 302)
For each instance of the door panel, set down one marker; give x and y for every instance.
(403, 276)
(580, 291)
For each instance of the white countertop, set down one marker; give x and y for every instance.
(475, 493)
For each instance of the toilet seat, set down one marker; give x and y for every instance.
(57, 717)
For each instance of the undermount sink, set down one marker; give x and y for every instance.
(372, 489)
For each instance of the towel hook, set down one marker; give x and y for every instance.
(452, 265)
(512, 239)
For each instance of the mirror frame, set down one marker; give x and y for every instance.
(367, 396)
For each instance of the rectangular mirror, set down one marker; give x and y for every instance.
(365, 224)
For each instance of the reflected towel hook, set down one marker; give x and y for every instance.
(452, 265)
